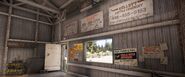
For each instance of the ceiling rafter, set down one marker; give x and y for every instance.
(38, 6)
(66, 4)
(51, 4)
(25, 9)
(18, 4)
(44, 3)
(5, 1)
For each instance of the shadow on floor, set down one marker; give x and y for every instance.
(51, 74)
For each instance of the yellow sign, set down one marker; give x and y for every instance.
(75, 51)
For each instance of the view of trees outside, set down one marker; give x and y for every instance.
(99, 51)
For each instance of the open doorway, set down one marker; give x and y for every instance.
(64, 58)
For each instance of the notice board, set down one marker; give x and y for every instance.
(130, 10)
(92, 22)
(71, 28)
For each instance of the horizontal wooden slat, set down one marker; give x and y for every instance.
(153, 25)
(28, 41)
(16, 16)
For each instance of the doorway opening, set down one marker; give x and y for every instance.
(64, 57)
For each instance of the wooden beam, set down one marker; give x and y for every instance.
(51, 4)
(148, 26)
(18, 4)
(24, 9)
(2, 13)
(36, 33)
(44, 4)
(31, 20)
(28, 41)
(16, 16)
(66, 4)
(5, 57)
(38, 6)
(21, 45)
(59, 32)
(37, 27)
(18, 40)
(5, 1)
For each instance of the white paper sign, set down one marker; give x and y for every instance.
(92, 22)
(71, 28)
(164, 60)
(164, 46)
(130, 10)
(154, 52)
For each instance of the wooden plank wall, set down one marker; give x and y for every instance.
(163, 10)
(23, 30)
(2, 38)
(182, 20)
(20, 54)
(3, 20)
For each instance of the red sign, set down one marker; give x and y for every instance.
(130, 55)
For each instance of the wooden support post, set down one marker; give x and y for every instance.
(7, 36)
(37, 27)
(182, 25)
(36, 33)
(59, 32)
(52, 33)
(61, 18)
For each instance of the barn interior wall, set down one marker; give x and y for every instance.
(164, 10)
(182, 28)
(2, 34)
(23, 29)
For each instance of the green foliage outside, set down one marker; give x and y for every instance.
(94, 50)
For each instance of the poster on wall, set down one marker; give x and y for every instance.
(76, 52)
(92, 22)
(130, 10)
(126, 57)
(71, 28)
(153, 52)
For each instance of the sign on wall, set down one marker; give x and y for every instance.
(130, 10)
(76, 52)
(92, 22)
(156, 52)
(126, 57)
(153, 52)
(71, 28)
